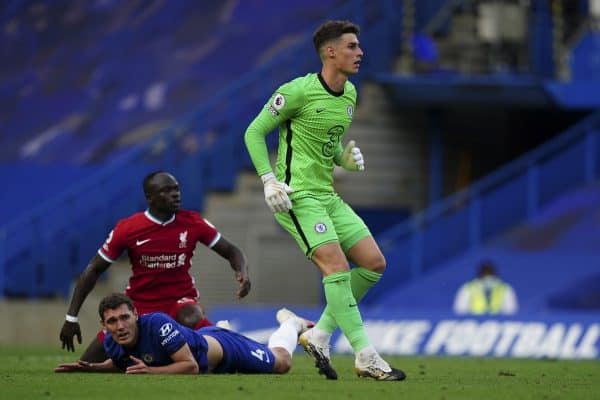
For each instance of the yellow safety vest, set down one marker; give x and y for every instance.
(479, 304)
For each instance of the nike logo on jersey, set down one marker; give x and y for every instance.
(141, 242)
(318, 110)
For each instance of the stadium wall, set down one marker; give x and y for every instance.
(40, 321)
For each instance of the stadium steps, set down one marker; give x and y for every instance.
(244, 219)
(395, 155)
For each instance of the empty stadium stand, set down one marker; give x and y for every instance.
(99, 93)
(111, 91)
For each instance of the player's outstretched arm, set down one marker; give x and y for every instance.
(84, 366)
(85, 283)
(239, 264)
(183, 363)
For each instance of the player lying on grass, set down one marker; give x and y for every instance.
(156, 344)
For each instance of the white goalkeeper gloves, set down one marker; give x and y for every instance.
(276, 193)
(351, 158)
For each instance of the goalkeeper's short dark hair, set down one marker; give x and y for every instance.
(332, 30)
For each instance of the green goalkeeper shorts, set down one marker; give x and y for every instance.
(316, 220)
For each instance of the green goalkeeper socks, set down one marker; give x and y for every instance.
(361, 281)
(343, 308)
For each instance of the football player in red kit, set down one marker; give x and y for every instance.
(160, 243)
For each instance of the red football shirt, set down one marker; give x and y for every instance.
(160, 253)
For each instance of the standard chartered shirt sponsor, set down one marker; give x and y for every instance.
(166, 261)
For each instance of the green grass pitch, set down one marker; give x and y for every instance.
(26, 373)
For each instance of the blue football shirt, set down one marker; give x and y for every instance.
(159, 337)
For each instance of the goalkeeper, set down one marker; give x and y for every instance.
(313, 112)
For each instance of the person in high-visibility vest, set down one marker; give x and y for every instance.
(486, 294)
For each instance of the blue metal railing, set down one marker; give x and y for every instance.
(503, 199)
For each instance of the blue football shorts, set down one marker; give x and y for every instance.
(240, 353)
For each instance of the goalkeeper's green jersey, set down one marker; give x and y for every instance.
(312, 120)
